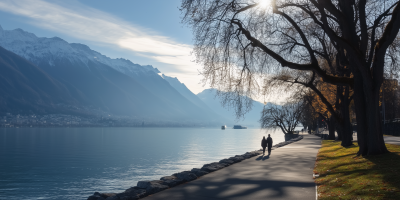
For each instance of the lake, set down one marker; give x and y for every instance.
(73, 163)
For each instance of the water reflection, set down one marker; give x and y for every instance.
(72, 163)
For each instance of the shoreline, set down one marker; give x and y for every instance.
(149, 187)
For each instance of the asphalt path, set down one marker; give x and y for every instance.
(285, 174)
(388, 139)
(392, 140)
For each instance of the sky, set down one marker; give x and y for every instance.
(147, 32)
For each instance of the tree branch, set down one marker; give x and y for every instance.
(312, 67)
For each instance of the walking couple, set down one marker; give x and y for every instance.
(265, 143)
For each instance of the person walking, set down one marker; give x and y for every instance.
(264, 144)
(269, 142)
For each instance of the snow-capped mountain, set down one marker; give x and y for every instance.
(35, 49)
(25, 88)
(116, 86)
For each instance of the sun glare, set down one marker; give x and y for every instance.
(264, 3)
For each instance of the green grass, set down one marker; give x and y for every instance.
(345, 176)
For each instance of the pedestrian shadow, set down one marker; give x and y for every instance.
(262, 157)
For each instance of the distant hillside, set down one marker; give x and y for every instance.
(184, 91)
(209, 97)
(90, 79)
(25, 88)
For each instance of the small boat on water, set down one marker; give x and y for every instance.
(239, 127)
(223, 127)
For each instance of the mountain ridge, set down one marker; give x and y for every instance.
(114, 85)
(24, 85)
(210, 98)
(33, 48)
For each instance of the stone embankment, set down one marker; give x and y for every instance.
(145, 188)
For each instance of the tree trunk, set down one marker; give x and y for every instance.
(361, 115)
(283, 130)
(347, 133)
(316, 128)
(375, 141)
(339, 126)
(331, 127)
(369, 131)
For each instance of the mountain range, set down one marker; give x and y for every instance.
(49, 75)
(251, 118)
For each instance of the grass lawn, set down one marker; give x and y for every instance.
(345, 176)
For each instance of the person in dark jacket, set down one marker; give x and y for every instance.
(269, 142)
(264, 144)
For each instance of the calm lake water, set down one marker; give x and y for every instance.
(72, 163)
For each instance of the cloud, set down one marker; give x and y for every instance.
(89, 24)
(154, 45)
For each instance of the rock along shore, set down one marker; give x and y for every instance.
(145, 188)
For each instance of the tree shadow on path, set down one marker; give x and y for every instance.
(235, 188)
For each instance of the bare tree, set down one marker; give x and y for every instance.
(240, 43)
(286, 117)
(333, 101)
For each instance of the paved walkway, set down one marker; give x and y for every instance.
(286, 174)
(392, 140)
(388, 139)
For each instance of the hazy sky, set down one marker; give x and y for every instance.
(147, 32)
